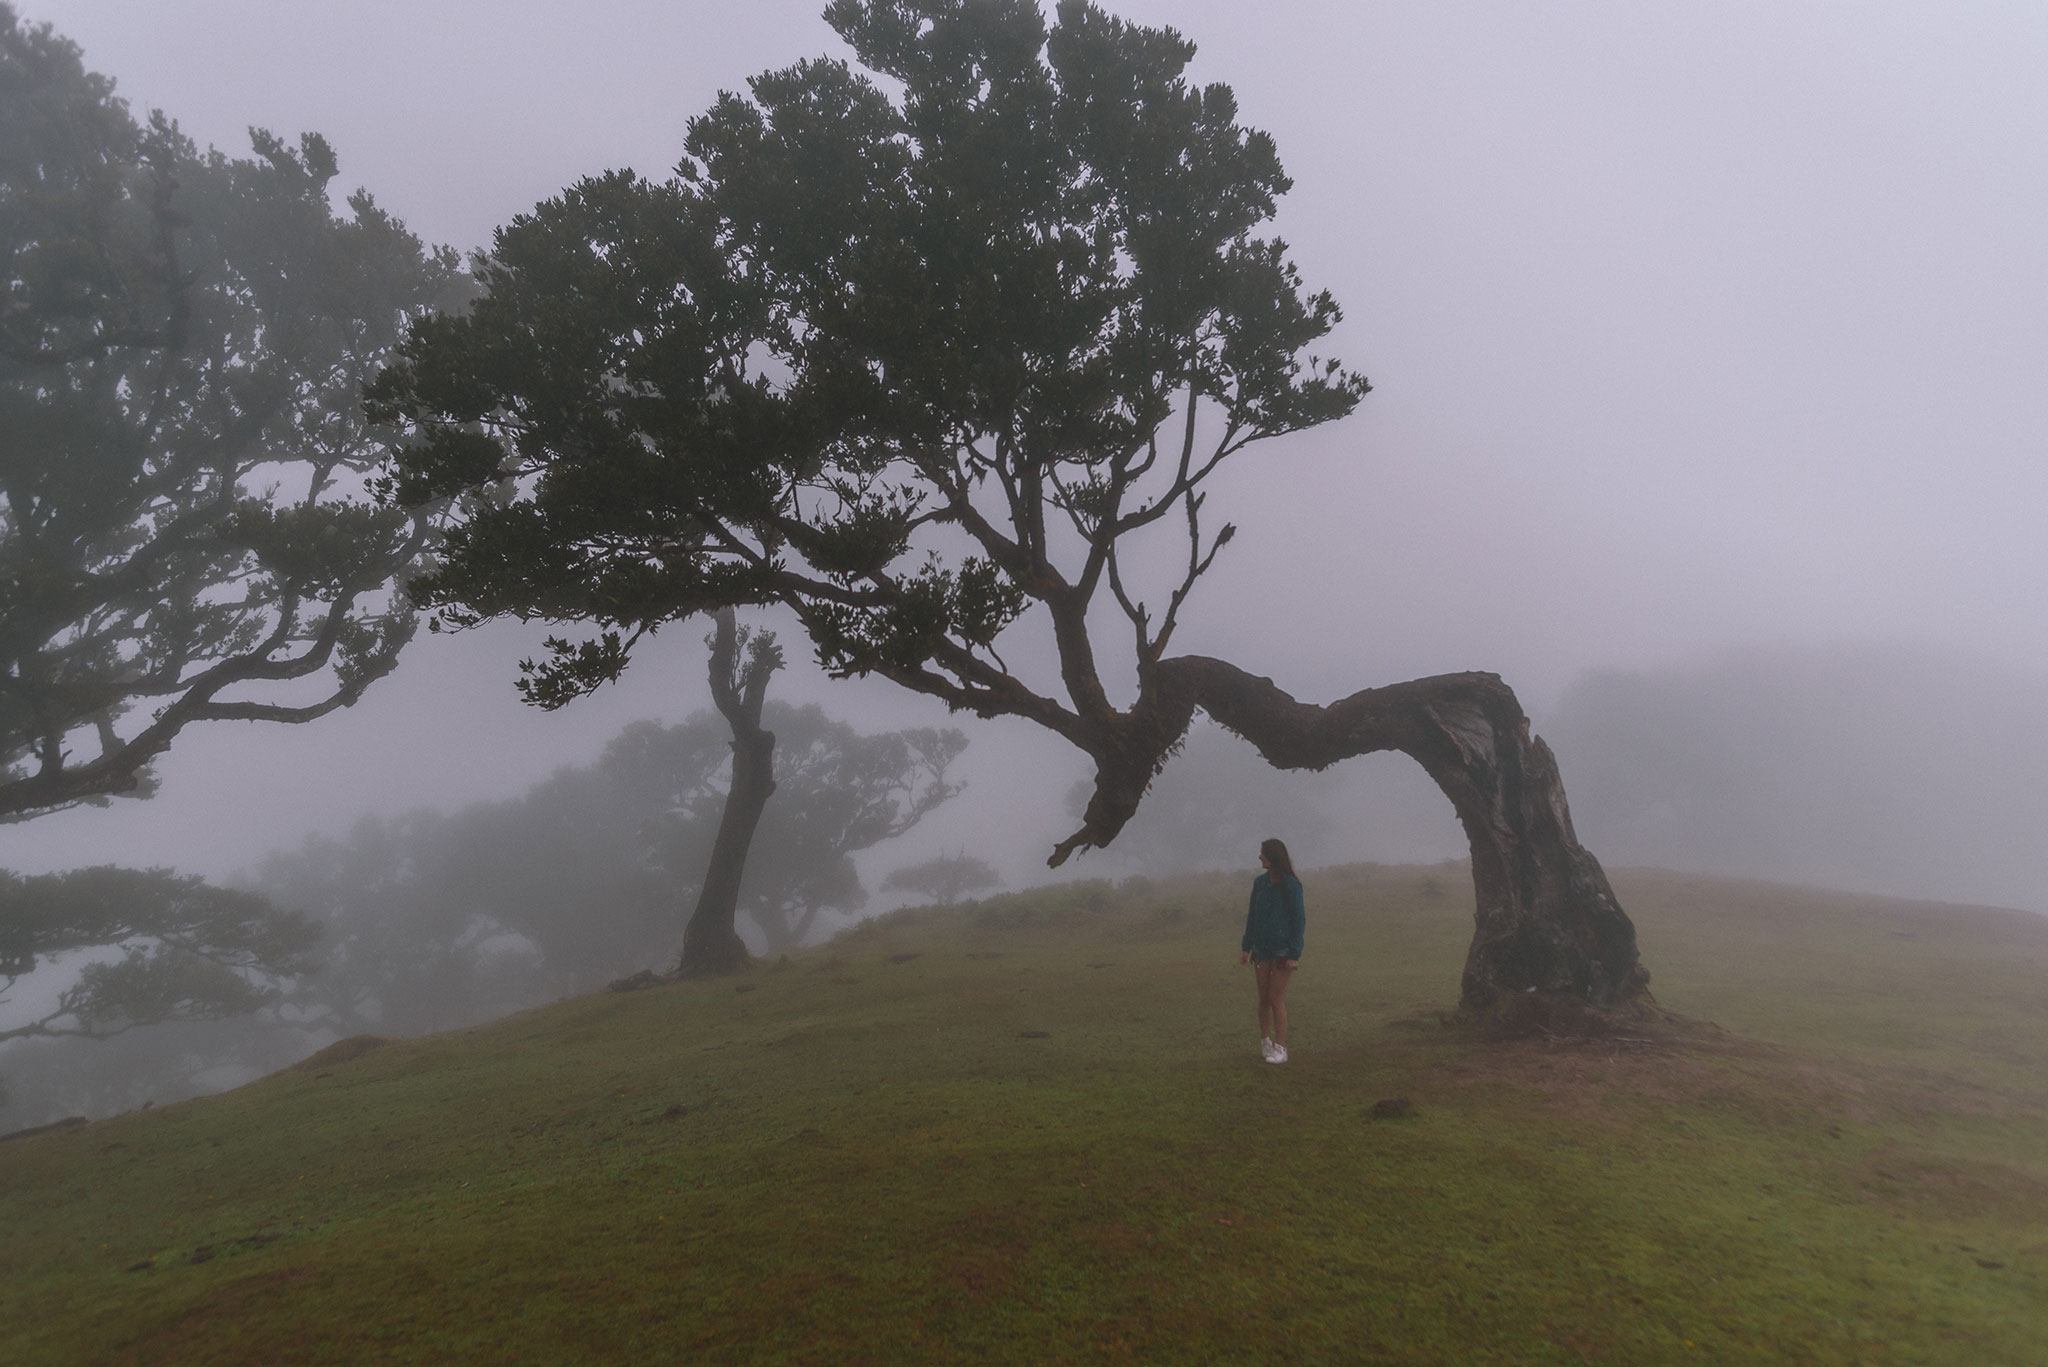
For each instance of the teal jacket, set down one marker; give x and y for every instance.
(1274, 924)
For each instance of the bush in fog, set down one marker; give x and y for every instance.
(947, 878)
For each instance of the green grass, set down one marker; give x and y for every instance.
(863, 1157)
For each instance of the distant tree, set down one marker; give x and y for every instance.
(739, 688)
(417, 910)
(916, 353)
(946, 878)
(837, 792)
(188, 951)
(1878, 767)
(183, 520)
(436, 920)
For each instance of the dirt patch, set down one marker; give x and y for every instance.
(1584, 1076)
(1560, 1015)
(341, 1051)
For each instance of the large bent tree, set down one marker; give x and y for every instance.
(185, 535)
(920, 355)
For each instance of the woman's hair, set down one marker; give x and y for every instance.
(1275, 853)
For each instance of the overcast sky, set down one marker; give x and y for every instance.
(1691, 327)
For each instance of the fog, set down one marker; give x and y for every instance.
(1694, 331)
(1870, 769)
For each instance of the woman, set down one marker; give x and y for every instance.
(1272, 943)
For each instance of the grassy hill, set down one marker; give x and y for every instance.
(1038, 1129)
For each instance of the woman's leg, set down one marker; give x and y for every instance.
(1263, 972)
(1274, 995)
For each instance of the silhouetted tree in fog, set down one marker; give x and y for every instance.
(183, 342)
(916, 353)
(1877, 767)
(436, 920)
(837, 792)
(184, 529)
(739, 688)
(946, 878)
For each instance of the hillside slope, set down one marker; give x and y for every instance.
(1037, 1128)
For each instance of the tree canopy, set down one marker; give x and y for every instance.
(902, 364)
(188, 951)
(920, 351)
(183, 519)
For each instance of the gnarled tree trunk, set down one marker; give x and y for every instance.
(710, 943)
(1550, 939)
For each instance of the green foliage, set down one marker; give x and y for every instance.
(895, 348)
(189, 951)
(182, 351)
(867, 1158)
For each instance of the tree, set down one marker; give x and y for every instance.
(837, 792)
(946, 878)
(918, 354)
(183, 341)
(710, 943)
(420, 913)
(434, 920)
(189, 951)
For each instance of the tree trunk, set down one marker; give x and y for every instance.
(711, 945)
(1550, 941)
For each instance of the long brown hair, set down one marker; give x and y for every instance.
(1280, 867)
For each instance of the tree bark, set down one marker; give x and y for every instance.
(1550, 941)
(711, 945)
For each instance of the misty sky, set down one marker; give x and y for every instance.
(1691, 327)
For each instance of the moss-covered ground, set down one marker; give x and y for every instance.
(1037, 1129)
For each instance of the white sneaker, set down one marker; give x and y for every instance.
(1266, 1048)
(1277, 1054)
